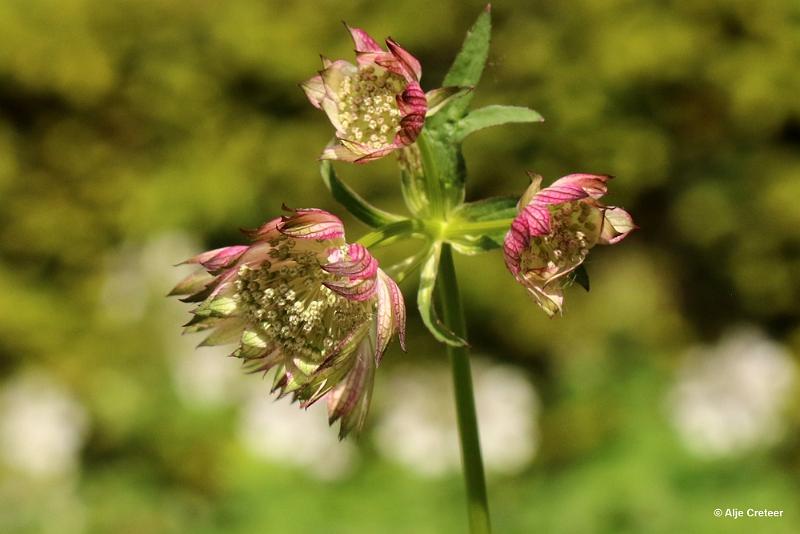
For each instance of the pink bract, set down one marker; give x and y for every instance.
(302, 301)
(377, 106)
(554, 230)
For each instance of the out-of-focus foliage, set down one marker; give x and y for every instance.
(134, 133)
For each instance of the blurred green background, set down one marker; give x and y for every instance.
(136, 133)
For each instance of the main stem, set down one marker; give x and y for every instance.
(472, 464)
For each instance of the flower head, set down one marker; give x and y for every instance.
(554, 231)
(301, 300)
(376, 106)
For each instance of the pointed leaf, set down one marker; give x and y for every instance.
(468, 66)
(493, 116)
(355, 204)
(427, 282)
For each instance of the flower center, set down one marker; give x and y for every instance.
(574, 229)
(368, 106)
(290, 307)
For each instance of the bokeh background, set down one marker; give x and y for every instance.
(136, 133)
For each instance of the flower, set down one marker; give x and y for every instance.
(554, 230)
(377, 106)
(731, 398)
(301, 300)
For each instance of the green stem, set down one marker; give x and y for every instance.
(477, 227)
(432, 178)
(390, 233)
(400, 271)
(472, 464)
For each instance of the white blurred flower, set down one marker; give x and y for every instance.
(279, 431)
(139, 276)
(137, 273)
(42, 427)
(418, 429)
(207, 376)
(729, 397)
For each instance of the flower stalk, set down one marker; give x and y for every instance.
(320, 312)
(472, 463)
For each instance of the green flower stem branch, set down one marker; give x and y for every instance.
(324, 311)
(433, 179)
(449, 301)
(393, 232)
(457, 229)
(433, 183)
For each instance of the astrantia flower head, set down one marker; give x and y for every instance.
(376, 106)
(554, 231)
(301, 300)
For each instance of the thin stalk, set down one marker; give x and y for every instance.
(473, 227)
(453, 316)
(392, 232)
(432, 178)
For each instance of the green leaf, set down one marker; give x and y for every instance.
(493, 116)
(580, 276)
(427, 281)
(468, 66)
(355, 204)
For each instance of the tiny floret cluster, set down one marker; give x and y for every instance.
(301, 300)
(554, 231)
(376, 106)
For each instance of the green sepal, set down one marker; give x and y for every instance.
(253, 339)
(352, 201)
(493, 116)
(225, 331)
(218, 307)
(427, 282)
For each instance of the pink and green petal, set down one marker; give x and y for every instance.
(398, 308)
(358, 291)
(359, 263)
(362, 41)
(348, 401)
(534, 187)
(573, 187)
(409, 64)
(311, 224)
(315, 90)
(617, 224)
(192, 284)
